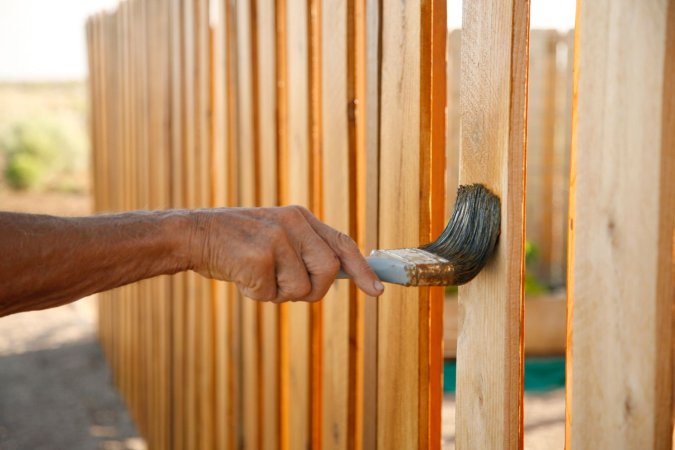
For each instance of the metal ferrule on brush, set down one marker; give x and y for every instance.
(411, 267)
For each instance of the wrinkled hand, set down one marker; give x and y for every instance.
(276, 254)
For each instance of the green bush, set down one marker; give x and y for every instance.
(37, 152)
(24, 171)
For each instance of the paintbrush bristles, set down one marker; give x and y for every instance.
(471, 234)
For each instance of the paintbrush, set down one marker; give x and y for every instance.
(459, 253)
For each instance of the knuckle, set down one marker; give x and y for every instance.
(294, 214)
(262, 260)
(274, 232)
(297, 291)
(317, 293)
(263, 295)
(303, 289)
(315, 297)
(344, 242)
(333, 265)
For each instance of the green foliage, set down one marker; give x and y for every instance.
(37, 152)
(24, 171)
(531, 253)
(532, 284)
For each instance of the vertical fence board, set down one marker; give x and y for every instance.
(368, 202)
(621, 227)
(297, 180)
(398, 310)
(541, 147)
(267, 146)
(281, 34)
(247, 197)
(356, 119)
(453, 136)
(411, 205)
(204, 311)
(159, 86)
(493, 105)
(190, 167)
(222, 196)
(177, 200)
(337, 213)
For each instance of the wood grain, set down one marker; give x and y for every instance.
(398, 310)
(177, 199)
(297, 181)
(247, 181)
(541, 133)
(268, 196)
(225, 433)
(544, 327)
(368, 160)
(204, 313)
(453, 137)
(412, 147)
(337, 213)
(621, 227)
(493, 105)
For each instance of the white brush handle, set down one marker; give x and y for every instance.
(388, 269)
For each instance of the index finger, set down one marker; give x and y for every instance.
(347, 251)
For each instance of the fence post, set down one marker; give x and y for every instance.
(622, 193)
(493, 102)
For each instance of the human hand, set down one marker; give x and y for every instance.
(275, 254)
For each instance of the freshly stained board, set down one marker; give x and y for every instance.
(314, 86)
(493, 101)
(412, 151)
(620, 280)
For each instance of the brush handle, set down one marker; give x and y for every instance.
(388, 269)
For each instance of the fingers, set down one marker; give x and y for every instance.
(348, 254)
(292, 280)
(259, 283)
(279, 254)
(321, 263)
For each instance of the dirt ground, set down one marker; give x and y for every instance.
(544, 421)
(55, 386)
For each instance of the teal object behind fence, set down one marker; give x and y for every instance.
(541, 374)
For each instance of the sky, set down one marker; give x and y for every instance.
(44, 40)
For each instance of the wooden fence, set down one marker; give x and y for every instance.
(340, 106)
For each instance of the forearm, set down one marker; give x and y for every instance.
(48, 261)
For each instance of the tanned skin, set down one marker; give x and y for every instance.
(272, 254)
